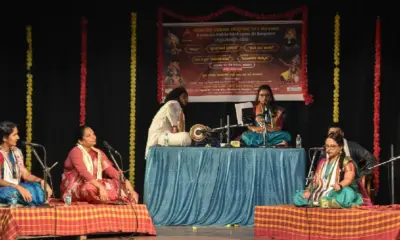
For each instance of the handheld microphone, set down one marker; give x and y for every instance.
(31, 144)
(108, 146)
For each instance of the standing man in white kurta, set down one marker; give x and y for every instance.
(168, 125)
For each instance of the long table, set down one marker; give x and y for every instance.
(219, 186)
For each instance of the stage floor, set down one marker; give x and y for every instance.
(201, 233)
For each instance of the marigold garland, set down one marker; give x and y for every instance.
(377, 83)
(29, 86)
(132, 132)
(336, 57)
(82, 113)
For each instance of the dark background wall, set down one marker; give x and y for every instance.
(56, 72)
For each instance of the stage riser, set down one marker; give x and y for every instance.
(290, 222)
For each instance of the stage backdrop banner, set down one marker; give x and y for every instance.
(228, 61)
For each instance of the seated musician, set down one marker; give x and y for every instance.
(168, 125)
(15, 178)
(334, 184)
(270, 115)
(83, 174)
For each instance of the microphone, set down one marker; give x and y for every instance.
(108, 146)
(201, 131)
(31, 144)
(317, 148)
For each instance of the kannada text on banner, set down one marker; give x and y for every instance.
(227, 62)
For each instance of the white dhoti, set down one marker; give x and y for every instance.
(168, 116)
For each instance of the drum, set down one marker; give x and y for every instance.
(199, 132)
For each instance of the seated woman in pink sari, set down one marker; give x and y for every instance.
(83, 174)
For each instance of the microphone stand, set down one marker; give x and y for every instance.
(310, 170)
(265, 132)
(391, 160)
(310, 199)
(121, 176)
(221, 135)
(310, 177)
(383, 163)
(46, 172)
(228, 132)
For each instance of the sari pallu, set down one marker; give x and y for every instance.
(327, 174)
(12, 164)
(85, 167)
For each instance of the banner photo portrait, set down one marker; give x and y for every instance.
(228, 61)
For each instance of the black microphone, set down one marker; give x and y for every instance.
(31, 144)
(317, 148)
(105, 143)
(201, 131)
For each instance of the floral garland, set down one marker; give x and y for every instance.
(304, 84)
(336, 57)
(377, 83)
(82, 113)
(132, 132)
(289, 15)
(29, 86)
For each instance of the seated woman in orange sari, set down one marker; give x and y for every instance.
(83, 174)
(268, 123)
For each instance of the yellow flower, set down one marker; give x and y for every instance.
(29, 91)
(132, 102)
(336, 70)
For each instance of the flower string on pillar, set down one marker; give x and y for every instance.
(132, 132)
(377, 83)
(29, 91)
(82, 116)
(336, 71)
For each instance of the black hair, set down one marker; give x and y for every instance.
(175, 94)
(337, 137)
(272, 103)
(335, 125)
(6, 128)
(80, 132)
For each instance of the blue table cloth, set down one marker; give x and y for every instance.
(219, 186)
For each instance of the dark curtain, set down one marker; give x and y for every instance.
(56, 71)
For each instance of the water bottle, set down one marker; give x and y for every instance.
(68, 198)
(298, 141)
(166, 139)
(14, 200)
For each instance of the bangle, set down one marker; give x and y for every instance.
(340, 185)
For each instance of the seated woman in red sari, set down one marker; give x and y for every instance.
(83, 174)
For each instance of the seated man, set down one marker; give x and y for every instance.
(168, 125)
